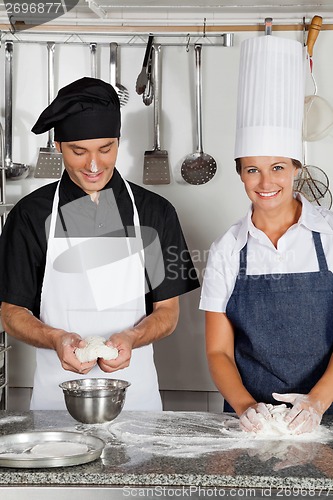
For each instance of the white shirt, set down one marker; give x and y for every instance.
(295, 253)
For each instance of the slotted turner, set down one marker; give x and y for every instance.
(122, 91)
(156, 162)
(49, 163)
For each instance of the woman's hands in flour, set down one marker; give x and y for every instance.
(306, 413)
(250, 421)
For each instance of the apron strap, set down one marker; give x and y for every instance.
(57, 210)
(242, 262)
(320, 251)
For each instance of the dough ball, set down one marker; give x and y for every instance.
(94, 349)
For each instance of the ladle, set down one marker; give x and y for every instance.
(199, 167)
(14, 171)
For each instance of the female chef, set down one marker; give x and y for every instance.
(268, 287)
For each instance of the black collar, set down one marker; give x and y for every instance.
(70, 191)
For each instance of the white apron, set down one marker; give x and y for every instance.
(97, 301)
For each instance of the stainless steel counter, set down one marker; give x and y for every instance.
(191, 452)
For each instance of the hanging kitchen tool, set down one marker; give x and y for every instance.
(148, 93)
(142, 79)
(49, 162)
(114, 80)
(318, 113)
(93, 59)
(156, 162)
(313, 183)
(199, 167)
(14, 171)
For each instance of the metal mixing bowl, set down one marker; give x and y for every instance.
(94, 400)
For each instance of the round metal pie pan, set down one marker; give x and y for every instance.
(15, 449)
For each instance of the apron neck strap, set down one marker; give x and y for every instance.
(322, 262)
(55, 205)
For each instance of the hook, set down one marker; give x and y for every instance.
(268, 25)
(12, 28)
(188, 42)
(304, 31)
(204, 28)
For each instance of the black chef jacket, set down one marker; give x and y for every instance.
(23, 241)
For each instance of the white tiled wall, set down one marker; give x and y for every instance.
(19, 399)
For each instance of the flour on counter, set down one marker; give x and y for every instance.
(178, 434)
(94, 349)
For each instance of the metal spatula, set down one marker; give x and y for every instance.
(156, 162)
(122, 91)
(49, 163)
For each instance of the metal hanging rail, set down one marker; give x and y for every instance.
(161, 30)
(129, 40)
(86, 27)
(215, 35)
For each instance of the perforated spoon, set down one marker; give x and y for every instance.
(199, 167)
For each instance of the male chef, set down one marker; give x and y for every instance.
(92, 255)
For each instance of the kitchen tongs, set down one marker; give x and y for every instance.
(142, 79)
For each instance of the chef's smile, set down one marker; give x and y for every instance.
(269, 195)
(90, 163)
(268, 180)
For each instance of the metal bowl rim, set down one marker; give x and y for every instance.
(98, 385)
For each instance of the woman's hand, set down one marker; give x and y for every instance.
(250, 421)
(306, 413)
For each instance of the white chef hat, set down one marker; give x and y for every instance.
(270, 98)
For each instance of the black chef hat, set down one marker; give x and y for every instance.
(88, 108)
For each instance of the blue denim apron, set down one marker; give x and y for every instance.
(283, 326)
